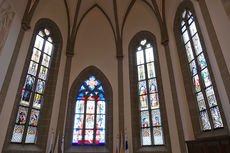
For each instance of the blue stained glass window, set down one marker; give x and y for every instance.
(90, 115)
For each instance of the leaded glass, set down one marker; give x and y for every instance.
(211, 97)
(43, 73)
(199, 68)
(36, 55)
(141, 72)
(100, 137)
(31, 135)
(17, 133)
(197, 45)
(189, 52)
(206, 77)
(34, 87)
(34, 117)
(22, 114)
(101, 107)
(143, 102)
(196, 83)
(151, 70)
(216, 117)
(140, 57)
(80, 106)
(158, 136)
(89, 123)
(201, 61)
(149, 54)
(90, 109)
(142, 88)
(89, 136)
(205, 120)
(33, 68)
(77, 136)
(100, 88)
(152, 85)
(154, 101)
(193, 68)
(100, 123)
(145, 119)
(156, 117)
(146, 137)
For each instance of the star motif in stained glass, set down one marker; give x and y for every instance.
(92, 82)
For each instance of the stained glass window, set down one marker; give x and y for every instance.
(149, 106)
(25, 129)
(210, 117)
(90, 114)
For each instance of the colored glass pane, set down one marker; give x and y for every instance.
(46, 60)
(152, 85)
(140, 57)
(101, 97)
(26, 96)
(39, 42)
(142, 88)
(36, 55)
(145, 119)
(183, 14)
(149, 54)
(201, 61)
(196, 83)
(201, 102)
(81, 96)
(156, 117)
(82, 88)
(185, 37)
(151, 70)
(197, 45)
(29, 83)
(192, 28)
(141, 72)
(100, 137)
(216, 117)
(34, 117)
(33, 68)
(154, 101)
(193, 68)
(48, 48)
(89, 121)
(101, 107)
(190, 20)
(206, 77)
(146, 137)
(31, 134)
(158, 136)
(100, 123)
(17, 133)
(89, 136)
(40, 86)
(205, 121)
(78, 121)
(211, 97)
(43, 73)
(37, 101)
(143, 102)
(100, 88)
(22, 114)
(189, 52)
(80, 106)
(90, 109)
(77, 136)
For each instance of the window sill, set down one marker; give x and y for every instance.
(19, 148)
(88, 149)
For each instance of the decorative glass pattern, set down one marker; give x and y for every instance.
(149, 106)
(25, 129)
(90, 114)
(210, 117)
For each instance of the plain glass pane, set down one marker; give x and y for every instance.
(185, 37)
(140, 57)
(48, 48)
(39, 42)
(149, 54)
(192, 28)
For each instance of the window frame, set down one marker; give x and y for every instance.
(48, 95)
(73, 94)
(137, 147)
(187, 77)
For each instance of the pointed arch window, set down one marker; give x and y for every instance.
(90, 114)
(32, 93)
(203, 89)
(149, 105)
